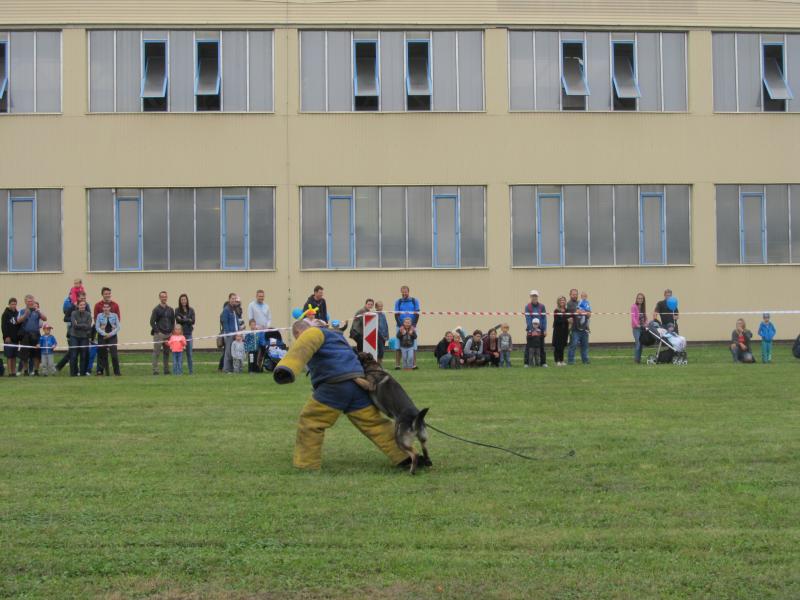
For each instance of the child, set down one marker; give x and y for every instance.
(177, 343)
(77, 288)
(237, 353)
(767, 332)
(584, 306)
(506, 344)
(251, 347)
(275, 352)
(47, 345)
(407, 334)
(456, 351)
(535, 335)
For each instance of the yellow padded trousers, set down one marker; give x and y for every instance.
(316, 417)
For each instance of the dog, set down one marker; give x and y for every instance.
(392, 400)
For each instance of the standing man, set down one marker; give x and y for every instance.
(357, 328)
(316, 300)
(11, 335)
(230, 325)
(258, 311)
(30, 321)
(97, 311)
(535, 310)
(406, 307)
(579, 334)
(162, 322)
(664, 314)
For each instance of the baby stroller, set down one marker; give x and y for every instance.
(670, 347)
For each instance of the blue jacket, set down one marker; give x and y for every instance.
(47, 343)
(100, 324)
(766, 331)
(383, 326)
(229, 320)
(406, 309)
(535, 312)
(334, 359)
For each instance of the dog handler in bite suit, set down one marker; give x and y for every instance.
(333, 367)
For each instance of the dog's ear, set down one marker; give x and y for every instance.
(419, 420)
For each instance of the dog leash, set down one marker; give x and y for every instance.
(569, 454)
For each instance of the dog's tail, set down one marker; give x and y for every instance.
(419, 420)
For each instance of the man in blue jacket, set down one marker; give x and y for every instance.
(535, 310)
(406, 307)
(230, 325)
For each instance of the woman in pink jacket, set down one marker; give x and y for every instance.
(638, 324)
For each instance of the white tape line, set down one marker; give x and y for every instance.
(499, 313)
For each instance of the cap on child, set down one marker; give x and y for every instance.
(273, 342)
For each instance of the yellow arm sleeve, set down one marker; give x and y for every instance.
(298, 356)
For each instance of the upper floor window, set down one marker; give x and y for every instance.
(758, 224)
(30, 72)
(30, 230)
(343, 71)
(393, 227)
(180, 71)
(598, 225)
(597, 71)
(755, 72)
(181, 229)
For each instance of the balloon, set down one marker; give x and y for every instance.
(335, 323)
(672, 303)
(297, 313)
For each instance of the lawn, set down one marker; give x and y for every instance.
(685, 484)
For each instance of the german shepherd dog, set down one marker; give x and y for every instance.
(391, 399)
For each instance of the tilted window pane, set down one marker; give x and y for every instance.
(312, 70)
(207, 228)
(576, 226)
(673, 50)
(472, 217)
(420, 235)
(520, 49)
(393, 89)
(749, 76)
(101, 71)
(262, 228)
(548, 84)
(101, 230)
(601, 229)
(234, 66)
(648, 57)
(597, 53)
(653, 249)
(573, 75)
(20, 80)
(340, 75)
(626, 219)
(22, 232)
(367, 228)
(793, 68)
(260, 75)
(366, 67)
(446, 231)
(340, 232)
(48, 230)
(154, 82)
(181, 229)
(48, 71)
(727, 224)
(314, 227)
(549, 209)
(724, 56)
(393, 227)
(3, 74)
(470, 70)
(418, 65)
(234, 232)
(679, 244)
(444, 71)
(207, 76)
(129, 231)
(181, 71)
(128, 71)
(777, 224)
(751, 226)
(523, 225)
(626, 85)
(154, 229)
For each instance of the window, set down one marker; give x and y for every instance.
(366, 84)
(181, 229)
(392, 227)
(776, 90)
(30, 72)
(3, 76)
(600, 225)
(652, 232)
(752, 228)
(30, 230)
(154, 75)
(573, 76)
(418, 75)
(207, 76)
(626, 85)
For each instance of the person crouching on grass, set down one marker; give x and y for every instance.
(177, 344)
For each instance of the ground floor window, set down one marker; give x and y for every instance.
(30, 230)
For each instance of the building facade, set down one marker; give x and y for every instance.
(471, 150)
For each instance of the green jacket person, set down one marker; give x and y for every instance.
(333, 366)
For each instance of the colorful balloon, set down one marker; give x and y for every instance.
(672, 303)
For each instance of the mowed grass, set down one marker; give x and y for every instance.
(685, 484)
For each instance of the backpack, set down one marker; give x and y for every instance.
(67, 305)
(796, 347)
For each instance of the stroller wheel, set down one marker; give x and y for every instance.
(651, 360)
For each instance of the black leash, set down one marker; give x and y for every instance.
(569, 454)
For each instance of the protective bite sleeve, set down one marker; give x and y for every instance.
(298, 355)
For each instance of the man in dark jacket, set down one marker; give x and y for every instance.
(10, 335)
(535, 310)
(80, 329)
(162, 322)
(316, 300)
(30, 320)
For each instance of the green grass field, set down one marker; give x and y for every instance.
(685, 484)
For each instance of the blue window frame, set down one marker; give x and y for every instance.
(446, 231)
(366, 79)
(3, 69)
(128, 234)
(207, 78)
(752, 228)
(773, 71)
(652, 229)
(155, 70)
(625, 70)
(573, 69)
(550, 229)
(22, 234)
(235, 228)
(418, 68)
(341, 232)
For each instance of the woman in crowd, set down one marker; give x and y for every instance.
(740, 343)
(184, 316)
(81, 329)
(560, 330)
(491, 348)
(638, 324)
